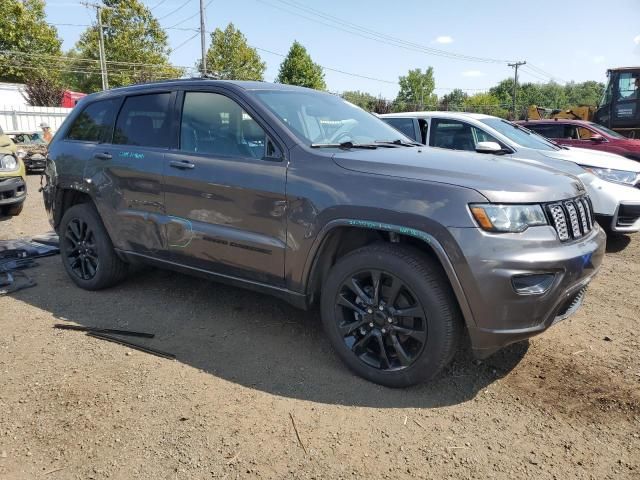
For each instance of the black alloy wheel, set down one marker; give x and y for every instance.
(81, 252)
(381, 320)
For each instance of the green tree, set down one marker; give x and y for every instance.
(24, 30)
(231, 57)
(362, 99)
(585, 93)
(454, 101)
(136, 48)
(486, 103)
(298, 69)
(416, 90)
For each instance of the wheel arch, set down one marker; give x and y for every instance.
(341, 236)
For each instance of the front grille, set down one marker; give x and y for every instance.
(572, 219)
(628, 215)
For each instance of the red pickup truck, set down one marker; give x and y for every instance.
(583, 134)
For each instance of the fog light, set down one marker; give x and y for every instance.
(534, 284)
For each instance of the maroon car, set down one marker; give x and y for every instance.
(579, 133)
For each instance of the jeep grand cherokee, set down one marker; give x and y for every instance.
(302, 195)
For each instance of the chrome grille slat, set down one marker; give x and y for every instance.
(572, 219)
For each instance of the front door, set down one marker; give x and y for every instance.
(225, 191)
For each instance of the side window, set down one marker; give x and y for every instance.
(548, 130)
(424, 130)
(452, 134)
(215, 124)
(95, 123)
(404, 125)
(585, 133)
(144, 121)
(628, 86)
(571, 132)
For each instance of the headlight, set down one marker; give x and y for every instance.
(21, 154)
(618, 176)
(507, 218)
(8, 162)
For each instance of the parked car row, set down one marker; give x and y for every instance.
(613, 182)
(302, 195)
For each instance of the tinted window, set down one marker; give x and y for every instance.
(549, 131)
(405, 125)
(143, 120)
(212, 123)
(95, 122)
(424, 130)
(456, 135)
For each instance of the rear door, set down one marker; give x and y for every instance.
(127, 173)
(225, 189)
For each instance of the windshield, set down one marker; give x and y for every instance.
(520, 135)
(320, 118)
(606, 130)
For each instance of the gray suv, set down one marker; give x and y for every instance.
(302, 195)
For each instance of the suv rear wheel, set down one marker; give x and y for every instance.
(390, 314)
(86, 249)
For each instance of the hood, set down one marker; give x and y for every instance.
(498, 178)
(594, 158)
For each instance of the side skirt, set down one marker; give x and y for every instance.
(298, 300)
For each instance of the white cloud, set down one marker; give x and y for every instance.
(472, 73)
(444, 39)
(636, 40)
(598, 59)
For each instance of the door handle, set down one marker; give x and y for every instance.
(183, 164)
(103, 156)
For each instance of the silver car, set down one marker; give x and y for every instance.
(613, 182)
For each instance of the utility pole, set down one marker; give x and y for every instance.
(202, 39)
(103, 60)
(515, 84)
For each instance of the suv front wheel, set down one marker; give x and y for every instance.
(390, 314)
(86, 249)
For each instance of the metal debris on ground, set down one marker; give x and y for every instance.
(81, 328)
(17, 255)
(135, 346)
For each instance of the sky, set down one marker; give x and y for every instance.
(567, 40)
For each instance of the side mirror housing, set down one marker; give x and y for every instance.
(488, 147)
(596, 138)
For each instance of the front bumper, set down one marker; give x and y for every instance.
(615, 204)
(488, 265)
(13, 191)
(33, 164)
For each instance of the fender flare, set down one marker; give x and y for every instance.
(425, 237)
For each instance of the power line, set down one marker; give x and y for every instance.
(369, 34)
(157, 5)
(189, 18)
(185, 42)
(174, 11)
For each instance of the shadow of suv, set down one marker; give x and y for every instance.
(299, 194)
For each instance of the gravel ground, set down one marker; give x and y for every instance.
(565, 404)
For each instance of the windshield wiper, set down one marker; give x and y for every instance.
(399, 143)
(345, 145)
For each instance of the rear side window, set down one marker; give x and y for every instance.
(95, 123)
(404, 125)
(144, 121)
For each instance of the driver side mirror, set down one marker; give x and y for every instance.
(489, 147)
(596, 138)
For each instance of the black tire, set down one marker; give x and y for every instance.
(425, 290)
(96, 256)
(14, 210)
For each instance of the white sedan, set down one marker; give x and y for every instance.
(612, 181)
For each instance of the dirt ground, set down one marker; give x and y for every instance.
(564, 405)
